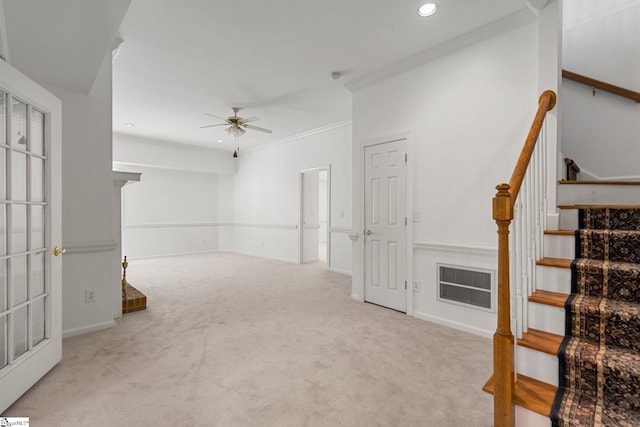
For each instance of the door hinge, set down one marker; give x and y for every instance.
(405, 157)
(405, 285)
(405, 221)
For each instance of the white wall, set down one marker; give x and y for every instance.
(468, 113)
(174, 208)
(86, 205)
(601, 132)
(267, 196)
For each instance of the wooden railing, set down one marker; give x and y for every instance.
(503, 213)
(597, 84)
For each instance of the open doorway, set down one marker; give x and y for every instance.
(314, 215)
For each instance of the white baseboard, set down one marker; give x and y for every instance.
(356, 297)
(275, 258)
(131, 258)
(340, 271)
(86, 329)
(452, 324)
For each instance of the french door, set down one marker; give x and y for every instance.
(30, 218)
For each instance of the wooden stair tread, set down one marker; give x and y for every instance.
(555, 262)
(543, 341)
(599, 206)
(555, 299)
(559, 232)
(134, 300)
(532, 394)
(564, 181)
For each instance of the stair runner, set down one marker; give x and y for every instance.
(599, 357)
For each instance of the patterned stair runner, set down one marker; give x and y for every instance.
(600, 356)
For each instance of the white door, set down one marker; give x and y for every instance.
(385, 224)
(30, 195)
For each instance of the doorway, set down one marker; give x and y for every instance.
(314, 215)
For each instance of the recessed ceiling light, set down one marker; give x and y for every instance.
(130, 125)
(428, 9)
(219, 140)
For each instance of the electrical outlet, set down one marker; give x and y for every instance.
(416, 285)
(89, 295)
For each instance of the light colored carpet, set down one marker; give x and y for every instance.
(229, 340)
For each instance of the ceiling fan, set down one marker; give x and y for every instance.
(237, 125)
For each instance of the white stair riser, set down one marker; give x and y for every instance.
(569, 219)
(538, 365)
(546, 318)
(585, 194)
(554, 279)
(558, 246)
(527, 418)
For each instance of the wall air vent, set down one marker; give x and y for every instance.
(467, 286)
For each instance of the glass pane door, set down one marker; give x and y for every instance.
(24, 297)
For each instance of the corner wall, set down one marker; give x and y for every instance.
(469, 113)
(267, 197)
(174, 208)
(86, 206)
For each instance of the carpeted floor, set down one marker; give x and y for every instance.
(229, 340)
(600, 356)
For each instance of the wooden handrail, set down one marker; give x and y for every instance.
(503, 206)
(546, 102)
(597, 84)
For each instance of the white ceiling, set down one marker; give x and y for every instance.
(182, 58)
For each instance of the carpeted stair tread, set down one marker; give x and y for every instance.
(599, 358)
(614, 280)
(573, 408)
(588, 360)
(610, 218)
(620, 320)
(608, 245)
(543, 341)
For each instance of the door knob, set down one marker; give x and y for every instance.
(57, 251)
(367, 232)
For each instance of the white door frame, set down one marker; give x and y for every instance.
(300, 216)
(360, 283)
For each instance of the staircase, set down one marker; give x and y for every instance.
(537, 365)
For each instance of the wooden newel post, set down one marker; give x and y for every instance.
(125, 264)
(504, 414)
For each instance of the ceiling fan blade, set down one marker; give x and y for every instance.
(217, 117)
(259, 129)
(210, 126)
(250, 119)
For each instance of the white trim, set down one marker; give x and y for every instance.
(89, 246)
(118, 163)
(4, 44)
(275, 258)
(172, 254)
(121, 178)
(452, 324)
(357, 297)
(339, 271)
(609, 10)
(212, 224)
(502, 25)
(423, 245)
(354, 237)
(300, 135)
(73, 332)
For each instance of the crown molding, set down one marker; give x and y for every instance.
(4, 45)
(300, 135)
(508, 23)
